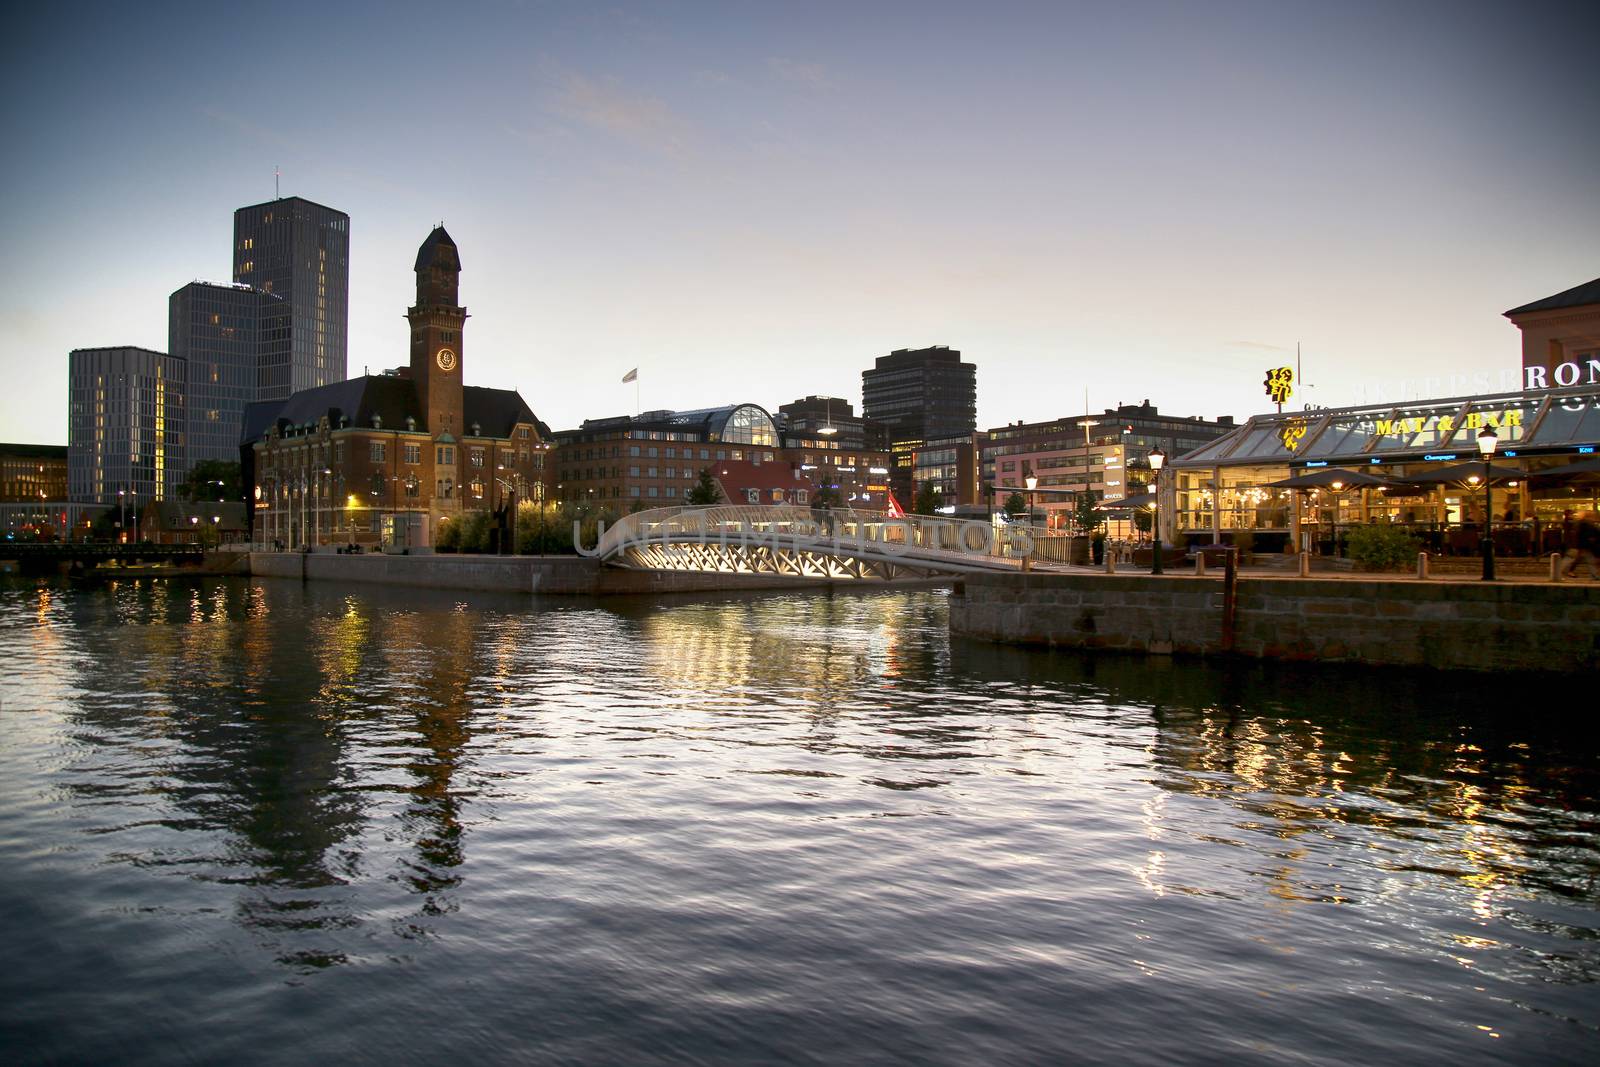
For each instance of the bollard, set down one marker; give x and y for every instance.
(1025, 561)
(1111, 563)
(1555, 566)
(1200, 564)
(1305, 564)
(1422, 564)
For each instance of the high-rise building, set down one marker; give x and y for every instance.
(920, 394)
(226, 335)
(300, 251)
(125, 424)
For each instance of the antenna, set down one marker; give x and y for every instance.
(276, 195)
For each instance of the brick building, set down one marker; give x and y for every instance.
(385, 458)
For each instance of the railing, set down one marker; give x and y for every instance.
(927, 536)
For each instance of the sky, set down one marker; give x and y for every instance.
(753, 201)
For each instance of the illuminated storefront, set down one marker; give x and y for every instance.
(1223, 490)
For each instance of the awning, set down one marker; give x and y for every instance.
(1128, 503)
(1462, 473)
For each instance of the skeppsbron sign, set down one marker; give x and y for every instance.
(1584, 371)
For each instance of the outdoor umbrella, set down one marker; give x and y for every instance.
(1138, 500)
(1324, 479)
(1583, 470)
(1463, 472)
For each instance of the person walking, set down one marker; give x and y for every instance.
(1584, 546)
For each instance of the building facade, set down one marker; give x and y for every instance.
(387, 458)
(1561, 338)
(652, 460)
(921, 393)
(125, 425)
(1137, 429)
(300, 251)
(228, 337)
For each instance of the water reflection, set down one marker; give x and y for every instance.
(713, 786)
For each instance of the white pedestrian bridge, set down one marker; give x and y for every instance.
(802, 543)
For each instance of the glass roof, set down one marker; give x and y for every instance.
(1546, 420)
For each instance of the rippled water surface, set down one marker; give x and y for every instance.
(266, 822)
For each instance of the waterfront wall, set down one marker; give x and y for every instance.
(545, 575)
(1450, 625)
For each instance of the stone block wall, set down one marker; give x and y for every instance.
(1451, 625)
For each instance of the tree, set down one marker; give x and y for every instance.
(927, 500)
(212, 479)
(705, 490)
(826, 497)
(1084, 514)
(1015, 505)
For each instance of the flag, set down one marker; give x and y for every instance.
(631, 376)
(894, 510)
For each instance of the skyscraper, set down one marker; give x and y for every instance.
(921, 394)
(300, 251)
(226, 335)
(125, 424)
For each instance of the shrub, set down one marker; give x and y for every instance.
(448, 536)
(475, 531)
(1381, 548)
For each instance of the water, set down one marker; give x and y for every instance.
(258, 822)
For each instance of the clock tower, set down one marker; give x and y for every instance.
(436, 327)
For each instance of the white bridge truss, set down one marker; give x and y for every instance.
(796, 542)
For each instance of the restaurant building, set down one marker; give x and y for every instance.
(1546, 439)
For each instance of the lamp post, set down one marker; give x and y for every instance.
(1158, 459)
(1032, 482)
(1338, 491)
(1487, 440)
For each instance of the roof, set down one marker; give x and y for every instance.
(496, 411)
(1577, 296)
(35, 451)
(288, 199)
(438, 250)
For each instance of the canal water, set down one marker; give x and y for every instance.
(262, 822)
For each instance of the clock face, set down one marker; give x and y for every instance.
(446, 359)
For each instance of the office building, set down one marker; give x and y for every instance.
(920, 394)
(300, 251)
(228, 337)
(125, 425)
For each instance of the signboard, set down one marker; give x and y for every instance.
(1280, 384)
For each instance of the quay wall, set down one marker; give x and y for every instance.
(544, 575)
(1448, 625)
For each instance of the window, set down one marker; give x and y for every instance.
(752, 496)
(338, 452)
(653, 492)
(633, 490)
(413, 487)
(651, 452)
(672, 491)
(445, 456)
(705, 453)
(413, 453)
(447, 488)
(633, 450)
(522, 432)
(672, 453)
(377, 452)
(777, 496)
(633, 472)
(801, 496)
(476, 457)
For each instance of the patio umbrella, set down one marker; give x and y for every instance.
(1138, 500)
(1583, 470)
(1463, 472)
(1324, 479)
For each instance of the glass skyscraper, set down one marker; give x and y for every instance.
(230, 338)
(300, 251)
(125, 425)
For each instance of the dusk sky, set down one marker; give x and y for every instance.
(750, 202)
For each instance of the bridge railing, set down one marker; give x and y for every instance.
(747, 523)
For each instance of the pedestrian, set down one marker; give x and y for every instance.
(1585, 546)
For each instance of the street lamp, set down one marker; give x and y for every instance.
(1487, 440)
(1032, 482)
(1158, 459)
(1338, 490)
